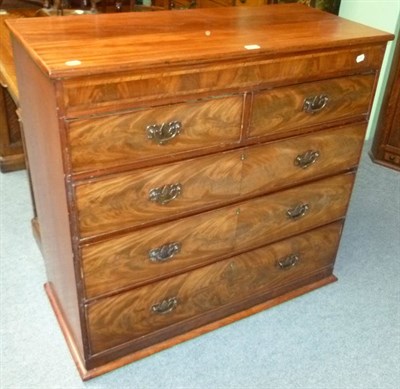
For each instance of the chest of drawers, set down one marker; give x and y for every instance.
(189, 168)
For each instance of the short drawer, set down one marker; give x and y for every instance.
(107, 141)
(277, 216)
(284, 109)
(128, 316)
(275, 165)
(164, 250)
(158, 194)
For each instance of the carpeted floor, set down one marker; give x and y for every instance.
(343, 336)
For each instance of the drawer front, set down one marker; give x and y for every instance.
(115, 320)
(83, 95)
(292, 211)
(125, 261)
(154, 252)
(284, 109)
(124, 201)
(281, 164)
(156, 194)
(109, 141)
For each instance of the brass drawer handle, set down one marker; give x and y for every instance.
(306, 159)
(165, 306)
(314, 104)
(163, 133)
(164, 252)
(288, 262)
(298, 211)
(164, 194)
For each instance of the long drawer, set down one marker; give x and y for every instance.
(122, 318)
(161, 251)
(99, 93)
(144, 196)
(114, 140)
(283, 109)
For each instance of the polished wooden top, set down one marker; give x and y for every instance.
(92, 44)
(7, 69)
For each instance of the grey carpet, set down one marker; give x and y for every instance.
(345, 335)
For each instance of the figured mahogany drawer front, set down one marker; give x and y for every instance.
(285, 163)
(292, 211)
(284, 109)
(102, 93)
(173, 247)
(158, 251)
(115, 320)
(156, 194)
(148, 195)
(107, 141)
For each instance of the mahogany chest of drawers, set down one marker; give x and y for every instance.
(189, 168)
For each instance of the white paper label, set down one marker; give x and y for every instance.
(252, 47)
(74, 62)
(360, 58)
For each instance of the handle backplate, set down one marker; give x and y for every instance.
(164, 194)
(314, 104)
(307, 159)
(297, 211)
(163, 133)
(288, 262)
(165, 306)
(164, 252)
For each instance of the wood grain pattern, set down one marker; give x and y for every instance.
(125, 41)
(127, 316)
(49, 187)
(95, 367)
(122, 202)
(97, 222)
(119, 139)
(85, 95)
(281, 109)
(271, 166)
(265, 219)
(122, 262)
